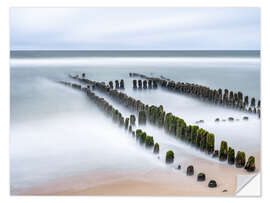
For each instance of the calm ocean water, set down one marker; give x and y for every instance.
(55, 130)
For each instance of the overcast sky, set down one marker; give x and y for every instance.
(135, 28)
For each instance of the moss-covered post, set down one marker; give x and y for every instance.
(231, 156)
(122, 86)
(203, 140)
(250, 166)
(210, 143)
(149, 141)
(142, 138)
(194, 134)
(135, 84)
(240, 159)
(169, 157)
(132, 119)
(142, 118)
(156, 148)
(223, 152)
(138, 134)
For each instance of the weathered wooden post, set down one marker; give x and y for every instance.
(111, 84)
(210, 143)
(223, 152)
(140, 84)
(132, 119)
(130, 129)
(138, 134)
(150, 84)
(169, 157)
(142, 138)
(250, 166)
(117, 84)
(122, 86)
(155, 84)
(134, 84)
(201, 177)
(190, 171)
(240, 159)
(144, 84)
(246, 100)
(142, 118)
(126, 123)
(253, 101)
(149, 141)
(156, 148)
(231, 156)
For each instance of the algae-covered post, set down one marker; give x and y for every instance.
(169, 157)
(142, 138)
(223, 152)
(240, 159)
(149, 141)
(142, 118)
(250, 166)
(138, 134)
(201, 177)
(231, 156)
(210, 143)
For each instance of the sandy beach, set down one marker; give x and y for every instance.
(158, 182)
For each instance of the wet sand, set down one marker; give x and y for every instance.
(156, 182)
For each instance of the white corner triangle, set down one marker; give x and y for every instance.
(249, 185)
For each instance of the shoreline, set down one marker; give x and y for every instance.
(166, 181)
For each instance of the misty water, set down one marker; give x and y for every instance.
(57, 132)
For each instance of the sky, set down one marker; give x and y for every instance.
(135, 29)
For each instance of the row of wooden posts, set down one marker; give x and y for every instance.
(141, 137)
(128, 123)
(176, 126)
(222, 97)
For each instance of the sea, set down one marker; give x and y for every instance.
(56, 132)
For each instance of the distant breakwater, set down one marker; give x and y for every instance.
(220, 97)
